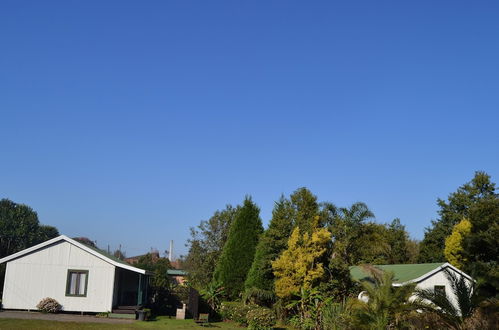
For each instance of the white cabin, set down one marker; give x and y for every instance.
(425, 276)
(81, 278)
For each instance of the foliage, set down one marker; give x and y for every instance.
(49, 305)
(160, 285)
(337, 316)
(103, 314)
(306, 209)
(86, 241)
(272, 243)
(205, 246)
(309, 305)
(256, 317)
(386, 305)
(454, 244)
(148, 313)
(20, 228)
(236, 311)
(213, 294)
(442, 304)
(481, 246)
(260, 318)
(259, 297)
(298, 267)
(239, 250)
(347, 229)
(398, 241)
(452, 212)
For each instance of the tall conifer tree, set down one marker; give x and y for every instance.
(306, 208)
(239, 250)
(272, 243)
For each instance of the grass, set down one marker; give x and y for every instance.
(160, 323)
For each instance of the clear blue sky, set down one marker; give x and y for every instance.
(130, 121)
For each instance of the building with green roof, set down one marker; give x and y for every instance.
(425, 276)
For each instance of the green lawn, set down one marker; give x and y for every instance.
(160, 323)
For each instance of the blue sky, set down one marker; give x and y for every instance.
(130, 121)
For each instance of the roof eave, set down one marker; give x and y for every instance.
(78, 244)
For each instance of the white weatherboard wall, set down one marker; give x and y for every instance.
(439, 278)
(43, 273)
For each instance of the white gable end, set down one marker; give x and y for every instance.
(43, 273)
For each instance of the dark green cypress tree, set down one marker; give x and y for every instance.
(272, 243)
(239, 250)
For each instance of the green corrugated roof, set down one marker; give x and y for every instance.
(176, 272)
(403, 273)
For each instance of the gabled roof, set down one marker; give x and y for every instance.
(94, 251)
(406, 273)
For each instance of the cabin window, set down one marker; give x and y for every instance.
(439, 289)
(77, 282)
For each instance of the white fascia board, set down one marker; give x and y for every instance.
(31, 249)
(78, 244)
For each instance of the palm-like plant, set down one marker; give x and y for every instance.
(259, 297)
(440, 303)
(386, 306)
(213, 295)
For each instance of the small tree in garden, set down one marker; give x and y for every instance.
(454, 244)
(299, 268)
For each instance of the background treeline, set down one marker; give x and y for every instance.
(309, 245)
(232, 247)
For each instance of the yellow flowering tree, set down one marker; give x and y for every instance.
(454, 243)
(298, 267)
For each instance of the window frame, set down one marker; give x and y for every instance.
(440, 290)
(68, 282)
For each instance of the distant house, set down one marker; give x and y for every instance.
(81, 278)
(425, 276)
(178, 276)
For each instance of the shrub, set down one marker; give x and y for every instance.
(49, 305)
(236, 311)
(260, 318)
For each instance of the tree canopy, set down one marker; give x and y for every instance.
(451, 212)
(20, 228)
(205, 246)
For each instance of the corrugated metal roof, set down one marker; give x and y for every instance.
(402, 272)
(176, 272)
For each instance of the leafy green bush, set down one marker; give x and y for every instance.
(254, 316)
(260, 318)
(233, 311)
(236, 311)
(49, 305)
